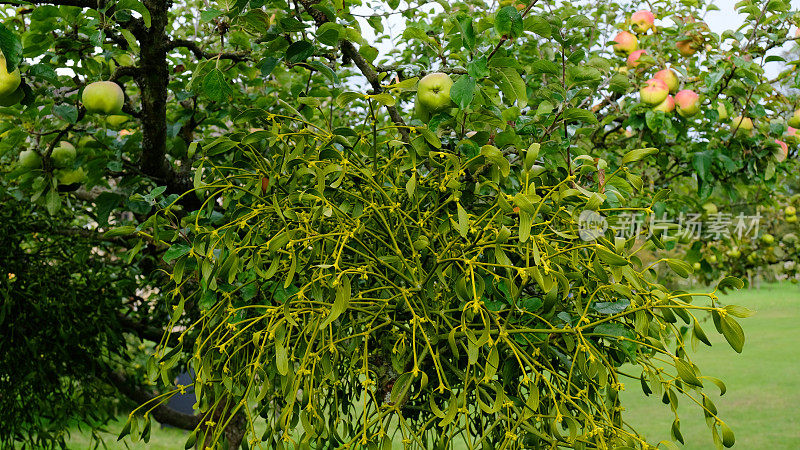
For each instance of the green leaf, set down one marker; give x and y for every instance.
(579, 115)
(281, 358)
(120, 231)
(267, 65)
(207, 15)
(539, 25)
(176, 251)
(700, 334)
(299, 51)
(682, 268)
(508, 22)
(728, 439)
(510, 82)
(136, 5)
(325, 70)
(686, 373)
(730, 282)
(494, 155)
(638, 154)
(463, 91)
(11, 47)
(609, 257)
(52, 201)
(216, 87)
(612, 307)
(463, 221)
(329, 33)
(739, 311)
(544, 66)
(126, 429)
(68, 113)
(467, 32)
(733, 333)
(340, 303)
(701, 161)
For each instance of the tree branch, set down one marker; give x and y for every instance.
(363, 65)
(161, 413)
(79, 3)
(199, 53)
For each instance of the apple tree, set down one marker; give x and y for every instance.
(349, 249)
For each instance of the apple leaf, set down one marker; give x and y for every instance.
(329, 33)
(268, 65)
(299, 51)
(11, 47)
(136, 5)
(510, 82)
(467, 32)
(216, 87)
(463, 91)
(702, 164)
(508, 22)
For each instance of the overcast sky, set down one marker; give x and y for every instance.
(724, 19)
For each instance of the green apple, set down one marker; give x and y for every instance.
(654, 92)
(734, 252)
(790, 210)
(696, 266)
(625, 43)
(667, 106)
(103, 97)
(12, 98)
(433, 93)
(63, 155)
(767, 238)
(668, 76)
(70, 176)
(9, 82)
(29, 159)
(641, 21)
(710, 208)
(791, 219)
(687, 103)
(116, 120)
(794, 121)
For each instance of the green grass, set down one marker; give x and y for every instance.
(762, 404)
(763, 398)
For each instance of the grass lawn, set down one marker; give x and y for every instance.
(762, 404)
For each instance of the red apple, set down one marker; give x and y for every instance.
(792, 136)
(668, 76)
(687, 103)
(667, 106)
(625, 43)
(654, 92)
(784, 151)
(641, 21)
(633, 58)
